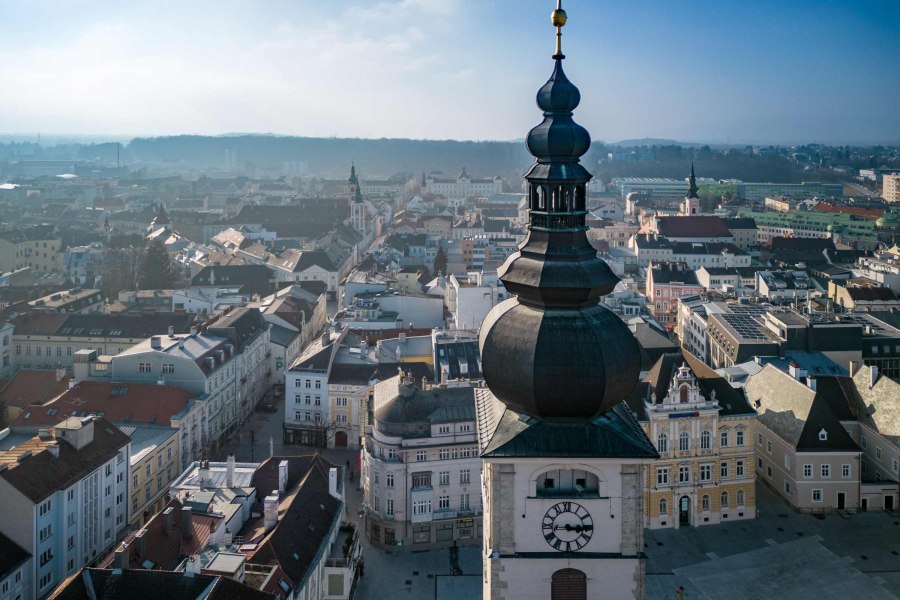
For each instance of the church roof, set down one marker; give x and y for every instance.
(503, 432)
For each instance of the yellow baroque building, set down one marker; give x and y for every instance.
(702, 428)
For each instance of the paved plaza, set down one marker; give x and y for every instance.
(782, 554)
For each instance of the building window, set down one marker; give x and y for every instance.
(168, 368)
(807, 471)
(704, 503)
(44, 508)
(723, 500)
(662, 476)
(663, 507)
(863, 442)
(421, 455)
(464, 502)
(739, 468)
(464, 476)
(769, 446)
(389, 480)
(823, 435)
(389, 506)
(705, 472)
(422, 507)
(443, 502)
(143, 367)
(705, 440)
(444, 478)
(817, 495)
(684, 442)
(723, 439)
(684, 474)
(421, 480)
(740, 497)
(787, 461)
(826, 471)
(723, 470)
(444, 454)
(787, 487)
(662, 442)
(759, 439)
(878, 452)
(740, 437)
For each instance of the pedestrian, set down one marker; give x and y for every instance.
(679, 593)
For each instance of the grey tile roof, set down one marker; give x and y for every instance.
(505, 433)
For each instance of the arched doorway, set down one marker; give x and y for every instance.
(568, 584)
(684, 511)
(340, 439)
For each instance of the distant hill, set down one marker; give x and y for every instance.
(332, 156)
(648, 142)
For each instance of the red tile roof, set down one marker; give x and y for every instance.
(29, 387)
(696, 226)
(166, 550)
(119, 403)
(871, 214)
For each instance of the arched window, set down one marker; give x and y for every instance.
(568, 584)
(724, 501)
(705, 440)
(663, 507)
(684, 442)
(662, 442)
(740, 497)
(704, 503)
(683, 393)
(6, 340)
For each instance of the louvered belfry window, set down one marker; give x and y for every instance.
(568, 584)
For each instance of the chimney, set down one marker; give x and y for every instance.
(53, 449)
(854, 368)
(186, 530)
(402, 337)
(181, 342)
(167, 520)
(270, 510)
(171, 331)
(873, 376)
(228, 537)
(203, 473)
(794, 370)
(282, 476)
(140, 538)
(229, 473)
(121, 557)
(333, 483)
(155, 342)
(72, 383)
(193, 330)
(60, 374)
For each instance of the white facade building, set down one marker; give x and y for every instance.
(65, 497)
(420, 467)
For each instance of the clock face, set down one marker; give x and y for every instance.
(567, 526)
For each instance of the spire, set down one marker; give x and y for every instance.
(558, 18)
(552, 351)
(692, 187)
(355, 191)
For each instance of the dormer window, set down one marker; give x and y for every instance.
(823, 435)
(683, 394)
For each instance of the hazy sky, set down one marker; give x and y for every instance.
(718, 71)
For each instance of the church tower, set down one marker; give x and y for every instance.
(562, 454)
(690, 206)
(358, 213)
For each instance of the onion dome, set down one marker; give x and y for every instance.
(552, 351)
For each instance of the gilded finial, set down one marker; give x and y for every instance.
(558, 19)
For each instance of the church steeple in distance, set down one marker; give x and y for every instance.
(692, 186)
(355, 191)
(552, 351)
